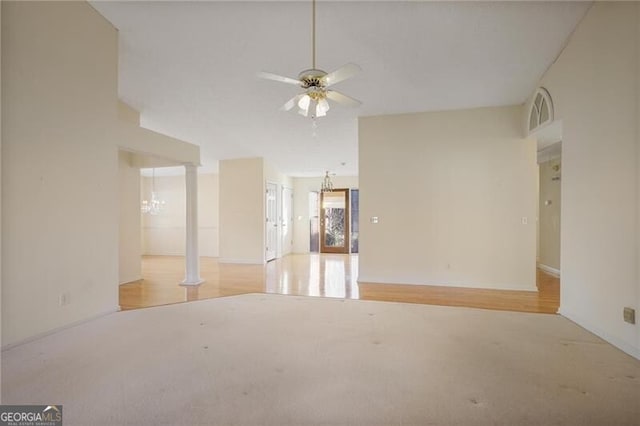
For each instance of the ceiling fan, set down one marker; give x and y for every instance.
(314, 101)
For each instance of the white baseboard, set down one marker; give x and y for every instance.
(549, 270)
(57, 329)
(241, 261)
(620, 344)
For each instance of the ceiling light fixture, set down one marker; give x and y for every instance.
(327, 185)
(155, 205)
(313, 102)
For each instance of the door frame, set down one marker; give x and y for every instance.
(271, 253)
(285, 247)
(347, 232)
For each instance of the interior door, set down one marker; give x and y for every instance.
(271, 222)
(314, 222)
(334, 221)
(287, 220)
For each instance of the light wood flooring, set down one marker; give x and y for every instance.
(326, 275)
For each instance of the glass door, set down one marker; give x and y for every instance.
(334, 221)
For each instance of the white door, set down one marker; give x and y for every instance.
(271, 225)
(287, 221)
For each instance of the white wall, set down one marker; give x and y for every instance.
(594, 85)
(130, 250)
(450, 190)
(301, 217)
(60, 142)
(164, 233)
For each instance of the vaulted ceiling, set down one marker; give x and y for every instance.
(190, 67)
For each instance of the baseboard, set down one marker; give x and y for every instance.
(241, 261)
(620, 344)
(440, 284)
(549, 270)
(57, 329)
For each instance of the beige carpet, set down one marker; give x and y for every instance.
(280, 360)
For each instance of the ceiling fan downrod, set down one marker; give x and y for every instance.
(313, 34)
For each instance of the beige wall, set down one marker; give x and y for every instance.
(450, 190)
(271, 174)
(549, 214)
(242, 210)
(301, 218)
(208, 211)
(594, 85)
(60, 191)
(128, 114)
(164, 234)
(129, 222)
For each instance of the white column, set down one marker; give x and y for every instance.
(192, 259)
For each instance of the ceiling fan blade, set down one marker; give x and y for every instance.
(342, 73)
(280, 78)
(292, 102)
(342, 99)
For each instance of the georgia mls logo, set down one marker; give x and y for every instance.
(54, 413)
(30, 415)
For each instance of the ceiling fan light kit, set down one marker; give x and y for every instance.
(314, 101)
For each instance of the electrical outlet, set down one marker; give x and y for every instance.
(629, 315)
(64, 299)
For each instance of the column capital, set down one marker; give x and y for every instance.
(191, 167)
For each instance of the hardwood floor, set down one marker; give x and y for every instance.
(326, 275)
(545, 300)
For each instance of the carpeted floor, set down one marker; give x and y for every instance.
(289, 360)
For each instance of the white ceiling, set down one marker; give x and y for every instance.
(190, 67)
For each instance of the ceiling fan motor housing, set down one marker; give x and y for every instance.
(312, 78)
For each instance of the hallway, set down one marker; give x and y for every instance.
(325, 275)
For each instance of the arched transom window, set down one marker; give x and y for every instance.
(541, 109)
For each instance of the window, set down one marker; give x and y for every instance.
(541, 110)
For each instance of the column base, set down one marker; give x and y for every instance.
(197, 281)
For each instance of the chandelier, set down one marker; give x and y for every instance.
(155, 205)
(327, 185)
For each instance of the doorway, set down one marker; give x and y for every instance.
(271, 222)
(314, 222)
(286, 237)
(334, 221)
(549, 192)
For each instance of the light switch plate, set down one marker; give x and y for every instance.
(629, 315)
